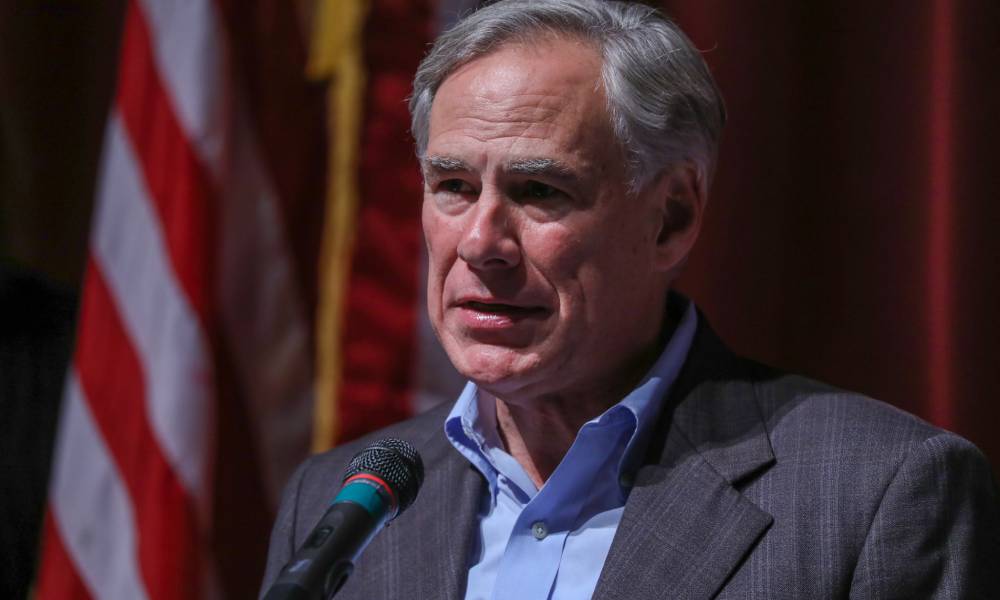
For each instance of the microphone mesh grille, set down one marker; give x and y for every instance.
(394, 461)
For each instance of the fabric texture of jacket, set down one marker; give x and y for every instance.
(757, 484)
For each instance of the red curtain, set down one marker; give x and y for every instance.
(852, 227)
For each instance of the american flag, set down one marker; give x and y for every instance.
(190, 395)
(193, 358)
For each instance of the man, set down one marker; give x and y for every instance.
(607, 444)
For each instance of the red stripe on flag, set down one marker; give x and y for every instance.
(58, 578)
(112, 379)
(178, 186)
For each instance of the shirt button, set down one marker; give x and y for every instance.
(539, 530)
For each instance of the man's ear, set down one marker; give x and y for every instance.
(680, 195)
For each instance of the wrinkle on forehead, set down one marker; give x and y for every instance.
(486, 102)
(517, 94)
(484, 130)
(523, 83)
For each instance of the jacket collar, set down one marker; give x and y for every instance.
(686, 527)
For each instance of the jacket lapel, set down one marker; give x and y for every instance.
(424, 553)
(686, 527)
(434, 564)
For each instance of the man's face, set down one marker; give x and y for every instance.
(543, 277)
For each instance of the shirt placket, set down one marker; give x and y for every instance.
(534, 550)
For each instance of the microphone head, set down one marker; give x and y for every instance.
(394, 461)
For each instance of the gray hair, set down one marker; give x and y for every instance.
(663, 104)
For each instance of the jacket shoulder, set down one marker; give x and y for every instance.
(806, 417)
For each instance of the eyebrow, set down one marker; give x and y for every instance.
(541, 166)
(444, 164)
(523, 166)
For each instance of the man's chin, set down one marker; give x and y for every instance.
(495, 368)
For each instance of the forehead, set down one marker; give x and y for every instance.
(547, 97)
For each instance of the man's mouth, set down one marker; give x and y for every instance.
(499, 308)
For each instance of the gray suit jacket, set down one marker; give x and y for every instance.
(757, 485)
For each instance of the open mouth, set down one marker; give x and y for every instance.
(504, 309)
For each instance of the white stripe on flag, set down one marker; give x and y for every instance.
(262, 314)
(129, 247)
(91, 509)
(192, 55)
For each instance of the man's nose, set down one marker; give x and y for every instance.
(489, 240)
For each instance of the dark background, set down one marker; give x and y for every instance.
(853, 229)
(851, 233)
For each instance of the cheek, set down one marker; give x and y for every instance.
(565, 259)
(429, 223)
(587, 253)
(594, 271)
(441, 242)
(560, 247)
(441, 235)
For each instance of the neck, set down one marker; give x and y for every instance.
(538, 437)
(539, 431)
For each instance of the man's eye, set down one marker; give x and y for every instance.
(456, 186)
(539, 191)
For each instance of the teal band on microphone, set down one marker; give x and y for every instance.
(366, 494)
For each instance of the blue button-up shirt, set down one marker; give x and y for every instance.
(551, 543)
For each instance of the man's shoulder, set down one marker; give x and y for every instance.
(805, 417)
(719, 391)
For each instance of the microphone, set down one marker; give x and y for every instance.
(380, 483)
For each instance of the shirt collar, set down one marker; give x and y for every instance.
(646, 399)
(473, 431)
